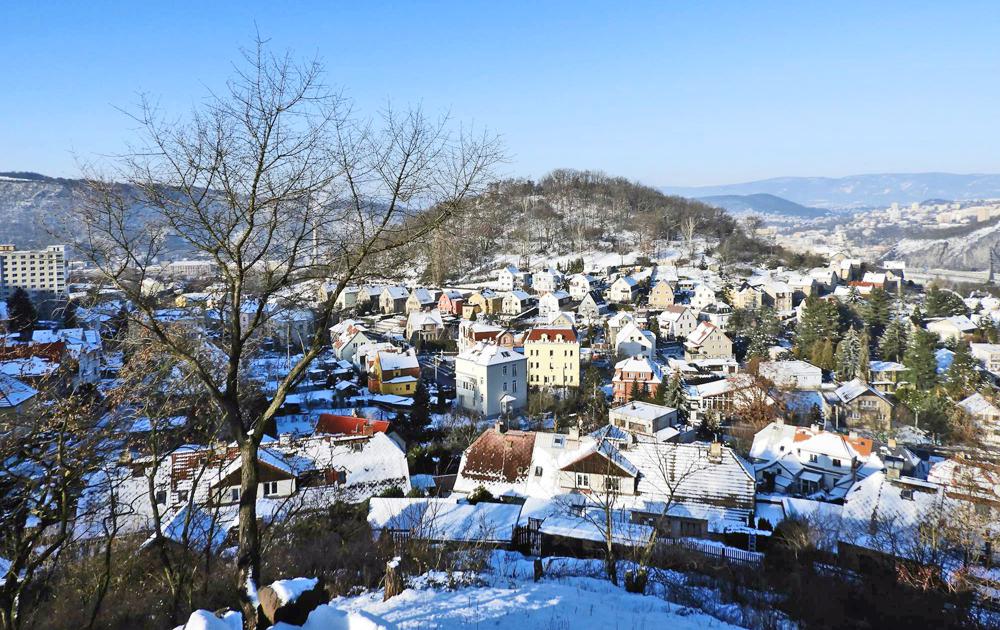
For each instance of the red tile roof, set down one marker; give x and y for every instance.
(535, 334)
(349, 425)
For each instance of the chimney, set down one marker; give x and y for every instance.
(891, 443)
(500, 427)
(715, 453)
(852, 435)
(780, 421)
(574, 432)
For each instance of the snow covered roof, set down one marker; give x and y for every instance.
(886, 366)
(13, 392)
(853, 389)
(397, 360)
(396, 292)
(640, 364)
(701, 333)
(485, 354)
(642, 410)
(605, 449)
(417, 319)
(978, 405)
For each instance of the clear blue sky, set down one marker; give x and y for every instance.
(679, 93)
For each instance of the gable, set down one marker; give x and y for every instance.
(596, 464)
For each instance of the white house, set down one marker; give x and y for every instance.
(580, 285)
(516, 302)
(986, 415)
(703, 296)
(632, 341)
(988, 354)
(955, 327)
(507, 278)
(677, 321)
(623, 290)
(642, 417)
(491, 380)
(551, 303)
(793, 374)
(547, 281)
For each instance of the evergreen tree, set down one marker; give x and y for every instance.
(864, 356)
(654, 326)
(69, 315)
(920, 361)
(660, 396)
(675, 396)
(963, 376)
(820, 321)
(419, 417)
(847, 356)
(853, 297)
(917, 317)
(944, 303)
(826, 356)
(637, 394)
(892, 345)
(876, 311)
(21, 312)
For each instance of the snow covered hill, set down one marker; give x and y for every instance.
(505, 598)
(969, 252)
(859, 191)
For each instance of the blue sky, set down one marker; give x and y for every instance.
(670, 93)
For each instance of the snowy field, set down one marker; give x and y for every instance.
(504, 598)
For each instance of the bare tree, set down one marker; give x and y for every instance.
(689, 228)
(276, 182)
(49, 454)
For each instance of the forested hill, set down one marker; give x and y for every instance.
(570, 211)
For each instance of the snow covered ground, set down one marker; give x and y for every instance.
(505, 597)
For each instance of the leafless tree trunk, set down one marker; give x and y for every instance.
(689, 227)
(276, 183)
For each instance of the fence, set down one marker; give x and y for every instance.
(728, 554)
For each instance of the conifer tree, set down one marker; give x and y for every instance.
(864, 356)
(820, 321)
(920, 361)
(675, 395)
(963, 374)
(21, 312)
(892, 345)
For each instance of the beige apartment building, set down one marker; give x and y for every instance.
(553, 357)
(42, 273)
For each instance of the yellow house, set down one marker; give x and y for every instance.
(553, 357)
(395, 373)
(661, 296)
(488, 302)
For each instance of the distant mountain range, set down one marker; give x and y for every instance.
(858, 191)
(762, 203)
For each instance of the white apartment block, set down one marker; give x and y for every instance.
(42, 273)
(491, 380)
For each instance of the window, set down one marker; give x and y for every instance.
(612, 484)
(582, 481)
(836, 463)
(690, 528)
(270, 487)
(234, 495)
(538, 471)
(813, 458)
(906, 493)
(559, 441)
(161, 497)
